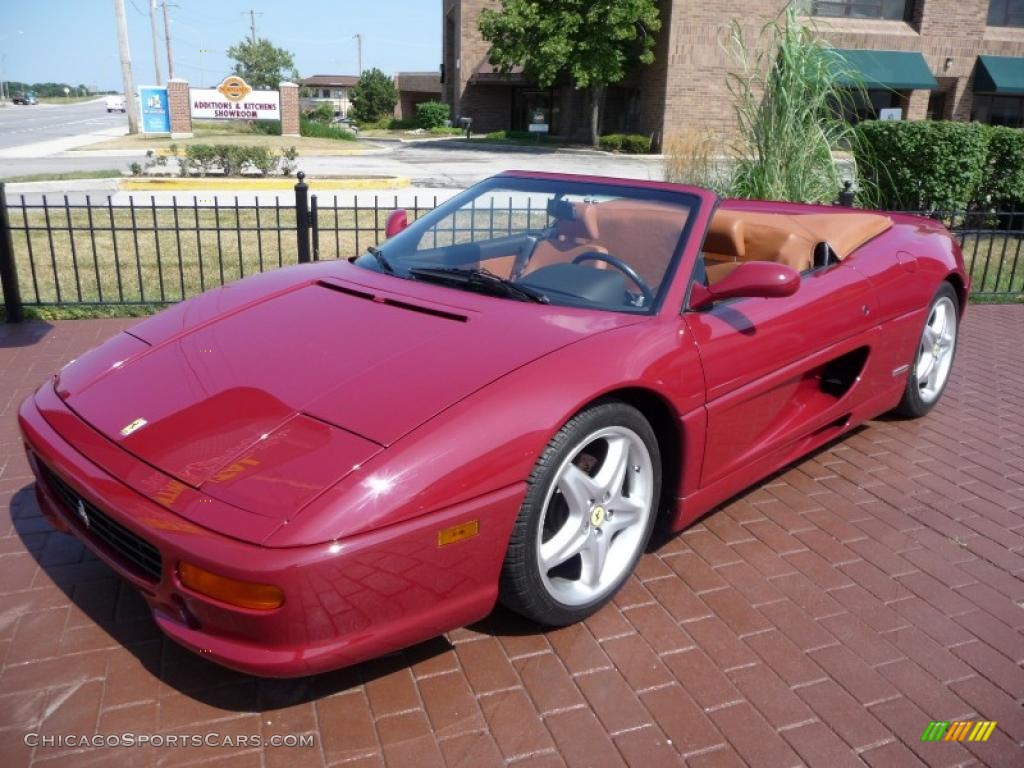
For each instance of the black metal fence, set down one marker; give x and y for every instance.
(94, 252)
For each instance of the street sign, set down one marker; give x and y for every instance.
(156, 118)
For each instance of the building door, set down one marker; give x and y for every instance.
(937, 105)
(527, 104)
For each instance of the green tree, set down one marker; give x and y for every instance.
(593, 43)
(373, 97)
(261, 64)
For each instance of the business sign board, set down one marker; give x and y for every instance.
(234, 99)
(893, 115)
(156, 117)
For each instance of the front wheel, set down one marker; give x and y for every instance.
(587, 516)
(929, 373)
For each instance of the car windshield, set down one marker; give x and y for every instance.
(563, 242)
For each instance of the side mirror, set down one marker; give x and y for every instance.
(751, 279)
(397, 221)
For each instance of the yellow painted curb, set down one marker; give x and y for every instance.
(256, 185)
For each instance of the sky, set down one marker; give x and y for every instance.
(75, 41)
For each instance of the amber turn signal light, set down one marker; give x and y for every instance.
(244, 594)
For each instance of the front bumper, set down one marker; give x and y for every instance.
(345, 601)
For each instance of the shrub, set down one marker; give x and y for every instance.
(923, 166)
(288, 161)
(1002, 183)
(632, 143)
(322, 113)
(266, 127)
(374, 96)
(315, 130)
(432, 114)
(202, 157)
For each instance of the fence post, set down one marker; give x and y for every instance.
(8, 268)
(847, 195)
(302, 218)
(314, 225)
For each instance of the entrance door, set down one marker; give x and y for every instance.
(527, 105)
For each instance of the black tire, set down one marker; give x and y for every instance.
(912, 406)
(521, 586)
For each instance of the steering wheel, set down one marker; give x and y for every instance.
(624, 268)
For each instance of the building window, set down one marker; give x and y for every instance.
(1006, 13)
(999, 110)
(891, 10)
(868, 104)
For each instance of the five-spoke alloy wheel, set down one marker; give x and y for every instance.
(587, 516)
(929, 373)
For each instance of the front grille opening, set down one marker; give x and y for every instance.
(132, 551)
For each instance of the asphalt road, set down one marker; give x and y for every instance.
(21, 125)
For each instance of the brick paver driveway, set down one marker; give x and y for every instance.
(823, 618)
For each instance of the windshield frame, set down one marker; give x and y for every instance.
(572, 185)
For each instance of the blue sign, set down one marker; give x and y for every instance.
(156, 118)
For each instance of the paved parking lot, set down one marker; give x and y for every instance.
(823, 618)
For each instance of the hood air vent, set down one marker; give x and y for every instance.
(398, 303)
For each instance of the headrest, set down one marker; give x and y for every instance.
(581, 225)
(725, 236)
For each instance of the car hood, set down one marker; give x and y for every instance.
(267, 404)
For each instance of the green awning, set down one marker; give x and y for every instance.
(896, 70)
(999, 74)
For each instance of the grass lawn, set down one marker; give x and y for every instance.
(109, 173)
(996, 263)
(229, 132)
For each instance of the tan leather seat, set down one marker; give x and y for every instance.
(643, 234)
(790, 239)
(572, 238)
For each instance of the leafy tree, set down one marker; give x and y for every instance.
(261, 64)
(593, 43)
(373, 97)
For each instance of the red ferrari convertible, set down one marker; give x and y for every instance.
(329, 462)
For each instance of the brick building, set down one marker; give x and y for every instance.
(414, 88)
(941, 59)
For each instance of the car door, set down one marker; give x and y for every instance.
(778, 370)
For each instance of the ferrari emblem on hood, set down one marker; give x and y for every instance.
(135, 426)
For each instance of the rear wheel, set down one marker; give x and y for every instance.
(587, 516)
(929, 373)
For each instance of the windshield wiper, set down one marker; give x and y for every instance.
(381, 259)
(481, 280)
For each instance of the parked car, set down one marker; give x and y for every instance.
(26, 99)
(329, 462)
(116, 104)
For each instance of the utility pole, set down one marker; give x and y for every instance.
(126, 67)
(253, 13)
(156, 45)
(167, 40)
(359, 43)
